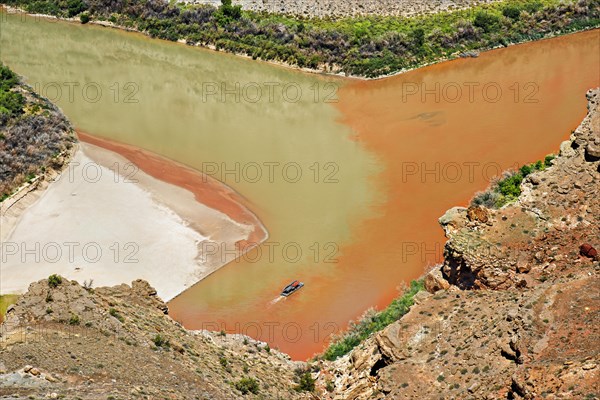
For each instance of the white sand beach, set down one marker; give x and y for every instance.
(105, 220)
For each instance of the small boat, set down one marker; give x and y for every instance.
(291, 288)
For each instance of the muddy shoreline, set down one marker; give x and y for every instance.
(91, 203)
(206, 189)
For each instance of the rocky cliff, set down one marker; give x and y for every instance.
(62, 340)
(514, 311)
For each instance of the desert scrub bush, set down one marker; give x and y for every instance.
(305, 381)
(247, 385)
(508, 189)
(74, 320)
(114, 313)
(372, 322)
(329, 386)
(161, 341)
(225, 364)
(54, 280)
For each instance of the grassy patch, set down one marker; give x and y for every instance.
(373, 322)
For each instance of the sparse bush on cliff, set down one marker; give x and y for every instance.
(247, 385)
(54, 280)
(74, 320)
(372, 322)
(161, 341)
(114, 313)
(306, 383)
(508, 189)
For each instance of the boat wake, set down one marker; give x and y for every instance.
(276, 300)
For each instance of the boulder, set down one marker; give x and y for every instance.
(453, 219)
(592, 152)
(435, 281)
(478, 214)
(587, 250)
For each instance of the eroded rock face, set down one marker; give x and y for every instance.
(558, 209)
(435, 281)
(526, 324)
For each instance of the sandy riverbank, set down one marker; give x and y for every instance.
(106, 220)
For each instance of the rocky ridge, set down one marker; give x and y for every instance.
(514, 311)
(68, 341)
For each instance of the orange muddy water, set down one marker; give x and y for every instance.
(442, 132)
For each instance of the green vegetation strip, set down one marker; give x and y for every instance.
(372, 323)
(33, 133)
(11, 102)
(508, 189)
(363, 46)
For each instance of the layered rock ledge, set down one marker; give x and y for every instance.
(514, 311)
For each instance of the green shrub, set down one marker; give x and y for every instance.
(373, 322)
(508, 189)
(54, 280)
(116, 314)
(161, 341)
(513, 12)
(84, 18)
(11, 103)
(74, 320)
(329, 386)
(247, 385)
(511, 185)
(228, 13)
(306, 383)
(75, 7)
(486, 21)
(8, 79)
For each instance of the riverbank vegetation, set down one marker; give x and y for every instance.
(368, 46)
(372, 322)
(33, 133)
(508, 189)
